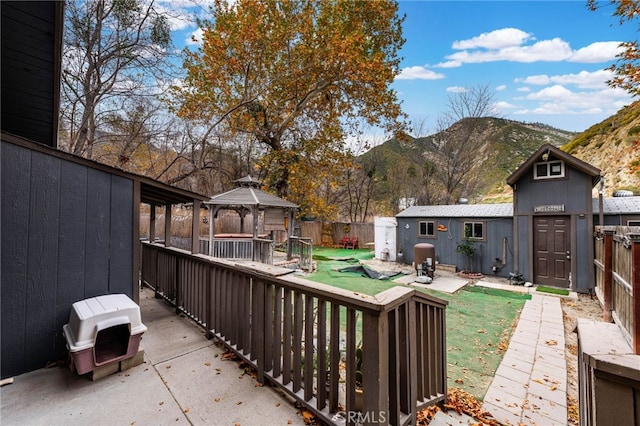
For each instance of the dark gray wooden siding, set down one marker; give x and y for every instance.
(30, 69)
(574, 192)
(445, 242)
(67, 234)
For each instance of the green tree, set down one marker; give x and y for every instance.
(298, 76)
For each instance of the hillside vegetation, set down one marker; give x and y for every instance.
(613, 146)
(503, 145)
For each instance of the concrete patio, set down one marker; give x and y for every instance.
(183, 380)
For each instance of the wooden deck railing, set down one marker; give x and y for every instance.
(256, 249)
(617, 262)
(302, 248)
(304, 336)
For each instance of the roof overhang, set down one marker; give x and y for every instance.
(555, 153)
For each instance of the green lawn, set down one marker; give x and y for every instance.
(479, 321)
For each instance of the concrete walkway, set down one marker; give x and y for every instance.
(530, 385)
(183, 380)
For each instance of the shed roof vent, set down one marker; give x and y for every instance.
(623, 193)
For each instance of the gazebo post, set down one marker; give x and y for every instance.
(211, 229)
(290, 231)
(256, 211)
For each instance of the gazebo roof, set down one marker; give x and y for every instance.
(249, 195)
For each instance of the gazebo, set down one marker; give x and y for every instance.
(247, 198)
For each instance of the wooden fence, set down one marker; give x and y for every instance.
(307, 338)
(617, 263)
(321, 233)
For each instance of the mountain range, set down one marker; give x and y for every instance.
(501, 145)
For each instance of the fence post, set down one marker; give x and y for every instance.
(635, 285)
(607, 278)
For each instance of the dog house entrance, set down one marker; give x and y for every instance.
(111, 343)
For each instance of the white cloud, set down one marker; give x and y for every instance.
(537, 80)
(498, 39)
(418, 73)
(546, 50)
(502, 105)
(583, 79)
(558, 99)
(448, 64)
(195, 38)
(456, 89)
(501, 87)
(523, 89)
(602, 51)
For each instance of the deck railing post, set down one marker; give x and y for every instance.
(635, 285)
(375, 361)
(607, 277)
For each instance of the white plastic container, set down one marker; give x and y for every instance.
(103, 330)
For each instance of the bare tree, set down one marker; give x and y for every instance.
(114, 50)
(457, 147)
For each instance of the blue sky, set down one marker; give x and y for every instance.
(544, 60)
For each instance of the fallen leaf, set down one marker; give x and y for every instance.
(161, 402)
(208, 364)
(216, 399)
(186, 410)
(239, 402)
(552, 342)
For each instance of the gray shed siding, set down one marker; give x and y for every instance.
(574, 193)
(30, 65)
(445, 242)
(67, 234)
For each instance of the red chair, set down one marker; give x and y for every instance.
(354, 242)
(345, 242)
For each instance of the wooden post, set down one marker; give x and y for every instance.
(607, 281)
(152, 223)
(375, 361)
(167, 225)
(195, 228)
(635, 285)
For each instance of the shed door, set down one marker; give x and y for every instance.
(552, 252)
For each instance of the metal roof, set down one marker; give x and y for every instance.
(460, 210)
(614, 205)
(247, 196)
(618, 205)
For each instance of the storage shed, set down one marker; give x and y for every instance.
(546, 234)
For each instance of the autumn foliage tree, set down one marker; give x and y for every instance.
(298, 76)
(627, 68)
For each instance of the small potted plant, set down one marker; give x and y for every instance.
(467, 248)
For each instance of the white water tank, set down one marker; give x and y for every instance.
(385, 238)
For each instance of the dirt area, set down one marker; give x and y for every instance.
(585, 307)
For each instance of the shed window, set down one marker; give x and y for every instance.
(633, 223)
(548, 170)
(426, 228)
(474, 230)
